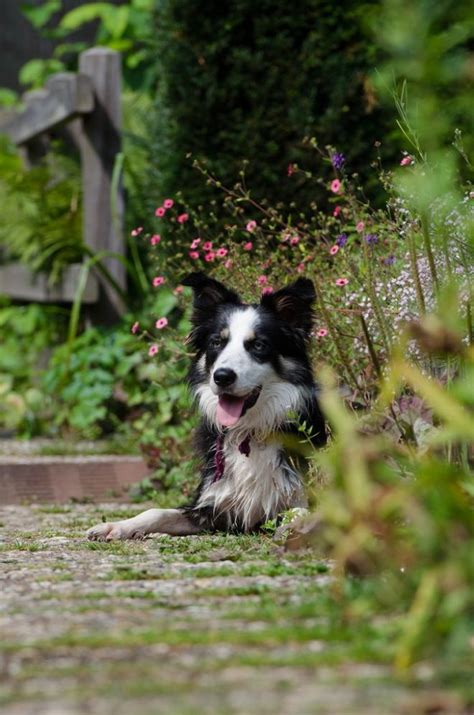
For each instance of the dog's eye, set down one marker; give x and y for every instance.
(216, 341)
(259, 345)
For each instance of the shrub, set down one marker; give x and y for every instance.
(102, 384)
(401, 518)
(250, 81)
(28, 334)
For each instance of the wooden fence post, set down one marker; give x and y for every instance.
(33, 151)
(100, 146)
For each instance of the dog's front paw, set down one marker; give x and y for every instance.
(110, 531)
(100, 532)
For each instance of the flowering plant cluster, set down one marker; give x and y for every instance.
(374, 269)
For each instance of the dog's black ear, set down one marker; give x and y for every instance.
(208, 294)
(293, 304)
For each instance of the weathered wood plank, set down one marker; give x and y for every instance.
(100, 146)
(65, 96)
(19, 283)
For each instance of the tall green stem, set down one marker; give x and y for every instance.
(370, 346)
(420, 298)
(345, 360)
(429, 251)
(374, 299)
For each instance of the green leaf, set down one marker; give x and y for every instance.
(143, 5)
(164, 302)
(40, 15)
(35, 72)
(8, 98)
(74, 19)
(116, 23)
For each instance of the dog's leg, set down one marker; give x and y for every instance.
(164, 521)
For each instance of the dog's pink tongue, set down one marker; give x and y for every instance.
(229, 410)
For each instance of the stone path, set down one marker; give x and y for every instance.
(194, 625)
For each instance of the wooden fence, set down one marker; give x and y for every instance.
(87, 105)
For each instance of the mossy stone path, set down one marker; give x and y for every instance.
(223, 624)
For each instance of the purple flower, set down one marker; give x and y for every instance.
(338, 160)
(389, 261)
(341, 240)
(371, 238)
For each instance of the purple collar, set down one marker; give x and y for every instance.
(219, 459)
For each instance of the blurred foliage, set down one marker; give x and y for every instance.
(8, 98)
(40, 211)
(435, 63)
(125, 27)
(28, 333)
(102, 383)
(404, 517)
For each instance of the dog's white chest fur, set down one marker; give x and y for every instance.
(253, 488)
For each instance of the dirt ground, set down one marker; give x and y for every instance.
(211, 624)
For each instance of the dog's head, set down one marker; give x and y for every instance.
(251, 365)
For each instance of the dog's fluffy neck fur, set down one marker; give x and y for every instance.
(253, 487)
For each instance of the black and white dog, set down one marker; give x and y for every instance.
(253, 382)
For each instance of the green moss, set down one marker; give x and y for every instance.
(27, 546)
(53, 509)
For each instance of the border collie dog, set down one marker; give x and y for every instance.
(252, 380)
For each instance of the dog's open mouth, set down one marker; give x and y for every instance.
(231, 408)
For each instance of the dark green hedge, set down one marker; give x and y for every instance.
(248, 80)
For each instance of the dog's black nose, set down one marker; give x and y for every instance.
(224, 376)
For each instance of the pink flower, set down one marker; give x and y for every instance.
(160, 211)
(262, 280)
(360, 227)
(300, 268)
(136, 231)
(135, 327)
(251, 226)
(336, 186)
(229, 263)
(194, 255)
(342, 281)
(207, 246)
(161, 323)
(182, 218)
(322, 332)
(221, 252)
(178, 290)
(153, 350)
(291, 169)
(210, 256)
(286, 237)
(248, 246)
(336, 211)
(157, 281)
(267, 290)
(294, 240)
(168, 203)
(333, 250)
(195, 243)
(154, 240)
(407, 160)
